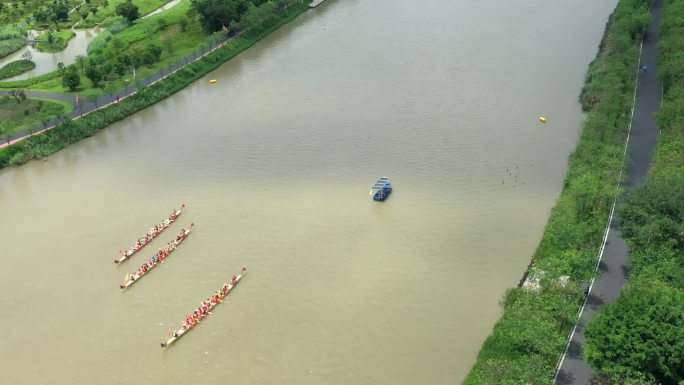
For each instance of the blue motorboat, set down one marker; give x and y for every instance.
(381, 189)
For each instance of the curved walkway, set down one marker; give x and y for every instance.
(613, 263)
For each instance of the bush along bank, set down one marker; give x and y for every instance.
(71, 131)
(530, 336)
(640, 337)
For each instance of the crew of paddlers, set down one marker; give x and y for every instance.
(159, 257)
(209, 304)
(151, 234)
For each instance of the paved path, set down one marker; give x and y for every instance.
(613, 265)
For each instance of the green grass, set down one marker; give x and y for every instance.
(63, 40)
(14, 118)
(15, 68)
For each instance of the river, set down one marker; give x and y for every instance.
(275, 162)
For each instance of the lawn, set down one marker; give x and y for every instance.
(29, 113)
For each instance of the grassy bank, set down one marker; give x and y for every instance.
(73, 131)
(640, 337)
(15, 116)
(530, 336)
(15, 68)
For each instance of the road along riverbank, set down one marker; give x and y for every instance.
(531, 334)
(640, 335)
(573, 368)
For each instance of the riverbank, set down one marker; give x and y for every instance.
(531, 334)
(641, 335)
(71, 131)
(574, 367)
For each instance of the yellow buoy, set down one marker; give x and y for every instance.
(542, 119)
(212, 81)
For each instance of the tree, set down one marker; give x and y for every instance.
(94, 74)
(18, 95)
(80, 60)
(214, 14)
(255, 17)
(151, 54)
(60, 12)
(94, 98)
(128, 10)
(183, 24)
(71, 79)
(168, 43)
(654, 214)
(641, 335)
(137, 58)
(110, 90)
(60, 66)
(27, 56)
(41, 15)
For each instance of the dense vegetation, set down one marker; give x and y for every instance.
(641, 335)
(528, 340)
(18, 112)
(73, 131)
(15, 68)
(11, 39)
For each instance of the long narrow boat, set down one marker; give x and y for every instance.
(156, 259)
(204, 310)
(153, 233)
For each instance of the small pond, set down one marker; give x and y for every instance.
(47, 61)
